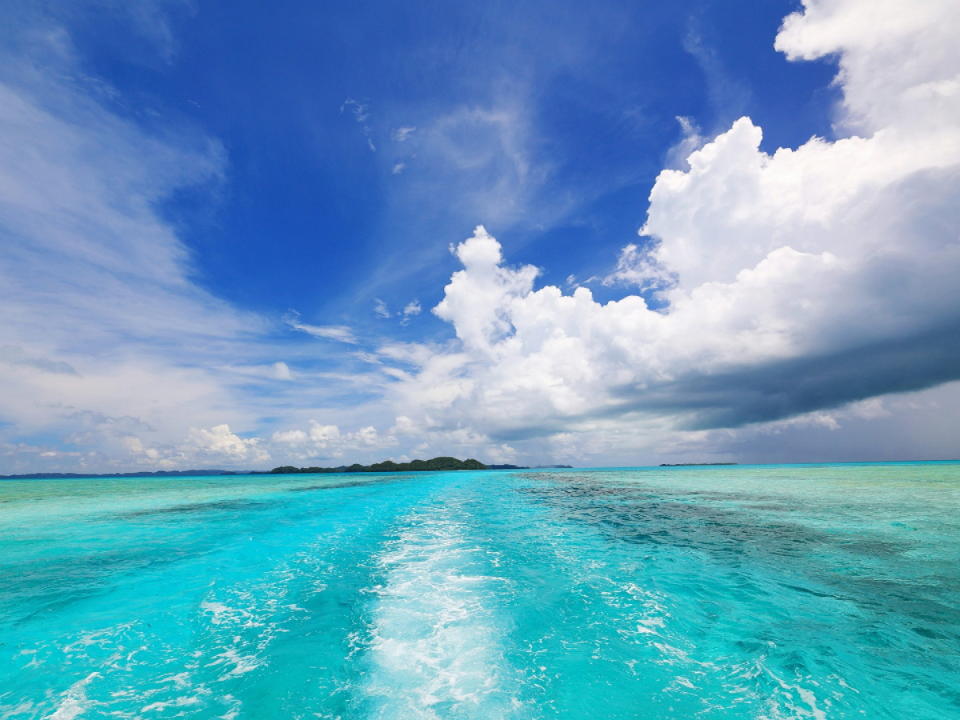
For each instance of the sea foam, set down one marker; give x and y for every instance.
(435, 643)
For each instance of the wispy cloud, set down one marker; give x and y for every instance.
(361, 113)
(96, 286)
(729, 97)
(380, 309)
(410, 310)
(402, 134)
(340, 333)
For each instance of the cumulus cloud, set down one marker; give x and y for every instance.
(127, 440)
(281, 371)
(219, 442)
(319, 441)
(479, 298)
(799, 281)
(290, 437)
(636, 267)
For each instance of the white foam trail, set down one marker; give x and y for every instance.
(790, 708)
(73, 702)
(436, 643)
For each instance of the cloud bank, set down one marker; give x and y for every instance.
(791, 282)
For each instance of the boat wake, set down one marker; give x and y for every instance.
(434, 646)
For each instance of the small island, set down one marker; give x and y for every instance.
(437, 463)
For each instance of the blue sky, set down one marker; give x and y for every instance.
(296, 93)
(228, 227)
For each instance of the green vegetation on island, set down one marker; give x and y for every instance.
(437, 463)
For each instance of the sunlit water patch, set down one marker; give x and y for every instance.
(736, 592)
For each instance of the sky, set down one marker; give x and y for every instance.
(242, 235)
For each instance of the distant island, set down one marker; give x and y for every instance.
(437, 463)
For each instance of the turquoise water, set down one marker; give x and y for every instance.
(724, 592)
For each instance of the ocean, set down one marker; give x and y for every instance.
(763, 592)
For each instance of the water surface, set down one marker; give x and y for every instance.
(828, 591)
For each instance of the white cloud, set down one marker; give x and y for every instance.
(359, 110)
(281, 371)
(690, 140)
(97, 289)
(321, 440)
(83, 247)
(402, 134)
(479, 159)
(483, 159)
(219, 442)
(898, 64)
(361, 114)
(340, 333)
(411, 309)
(367, 435)
(636, 267)
(479, 298)
(273, 371)
(323, 436)
(804, 279)
(79, 187)
(380, 309)
(404, 426)
(486, 153)
(807, 283)
(289, 437)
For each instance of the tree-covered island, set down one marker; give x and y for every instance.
(437, 463)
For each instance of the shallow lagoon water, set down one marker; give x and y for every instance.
(805, 591)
